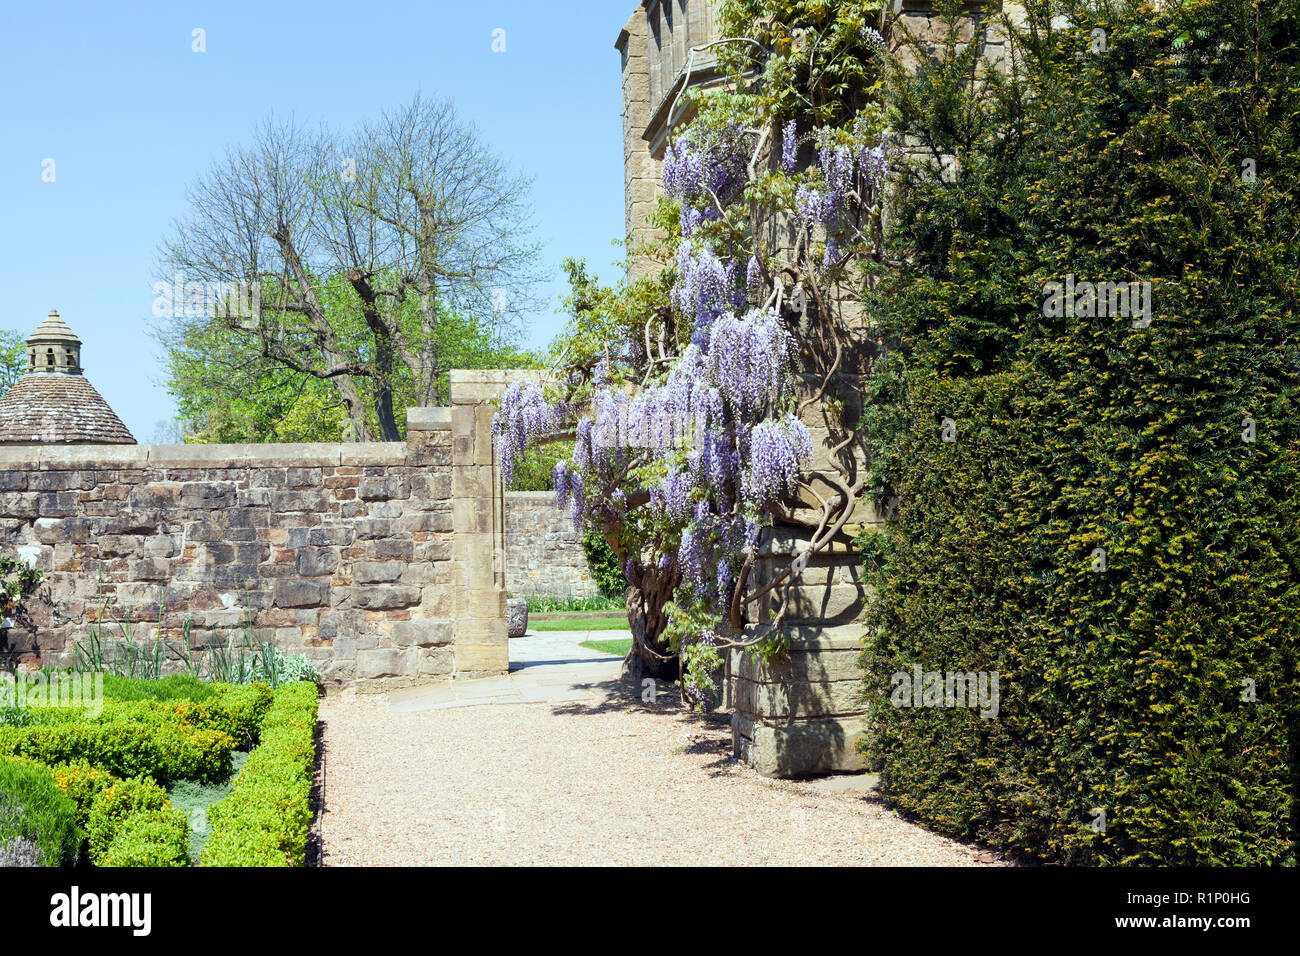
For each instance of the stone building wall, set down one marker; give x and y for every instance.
(544, 555)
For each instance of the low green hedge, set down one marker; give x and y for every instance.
(150, 838)
(264, 820)
(82, 783)
(233, 709)
(127, 748)
(35, 810)
(127, 822)
(117, 803)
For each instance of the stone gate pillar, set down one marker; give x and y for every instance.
(479, 606)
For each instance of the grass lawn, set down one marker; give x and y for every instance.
(616, 648)
(613, 622)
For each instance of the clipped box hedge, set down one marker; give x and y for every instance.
(165, 751)
(265, 819)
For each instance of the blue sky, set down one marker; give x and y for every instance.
(114, 94)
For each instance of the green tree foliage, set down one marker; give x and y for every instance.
(227, 390)
(1113, 529)
(13, 358)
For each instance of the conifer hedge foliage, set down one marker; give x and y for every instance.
(1113, 530)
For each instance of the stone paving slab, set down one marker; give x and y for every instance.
(545, 666)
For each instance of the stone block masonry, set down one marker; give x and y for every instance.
(544, 555)
(381, 561)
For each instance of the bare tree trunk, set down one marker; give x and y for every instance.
(384, 354)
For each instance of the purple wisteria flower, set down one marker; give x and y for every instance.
(690, 218)
(725, 578)
(747, 360)
(690, 557)
(708, 161)
(705, 287)
(776, 450)
(874, 162)
(809, 203)
(790, 148)
(561, 477)
(524, 416)
(754, 280)
(837, 166)
(683, 169)
(871, 37)
(577, 502)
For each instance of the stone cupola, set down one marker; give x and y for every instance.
(54, 403)
(53, 348)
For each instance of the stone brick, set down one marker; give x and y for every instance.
(385, 662)
(377, 572)
(317, 561)
(385, 597)
(314, 500)
(301, 594)
(422, 633)
(203, 494)
(383, 488)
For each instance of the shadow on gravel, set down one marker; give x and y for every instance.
(709, 732)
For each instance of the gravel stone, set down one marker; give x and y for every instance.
(602, 782)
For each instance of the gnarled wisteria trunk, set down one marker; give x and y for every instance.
(648, 591)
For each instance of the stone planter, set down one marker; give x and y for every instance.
(516, 617)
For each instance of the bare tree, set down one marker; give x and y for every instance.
(351, 248)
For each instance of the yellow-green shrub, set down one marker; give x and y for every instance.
(127, 748)
(153, 838)
(115, 805)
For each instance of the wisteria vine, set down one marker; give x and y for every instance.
(694, 432)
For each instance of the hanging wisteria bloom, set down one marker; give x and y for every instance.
(790, 148)
(754, 280)
(525, 416)
(670, 416)
(776, 450)
(690, 218)
(672, 497)
(683, 169)
(837, 165)
(874, 162)
(561, 480)
(706, 287)
(831, 255)
(704, 162)
(810, 203)
(690, 557)
(748, 359)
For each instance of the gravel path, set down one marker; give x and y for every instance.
(608, 781)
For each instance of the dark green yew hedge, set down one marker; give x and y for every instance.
(1148, 706)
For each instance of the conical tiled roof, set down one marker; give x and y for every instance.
(54, 403)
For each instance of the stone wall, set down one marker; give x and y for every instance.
(382, 561)
(339, 552)
(544, 555)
